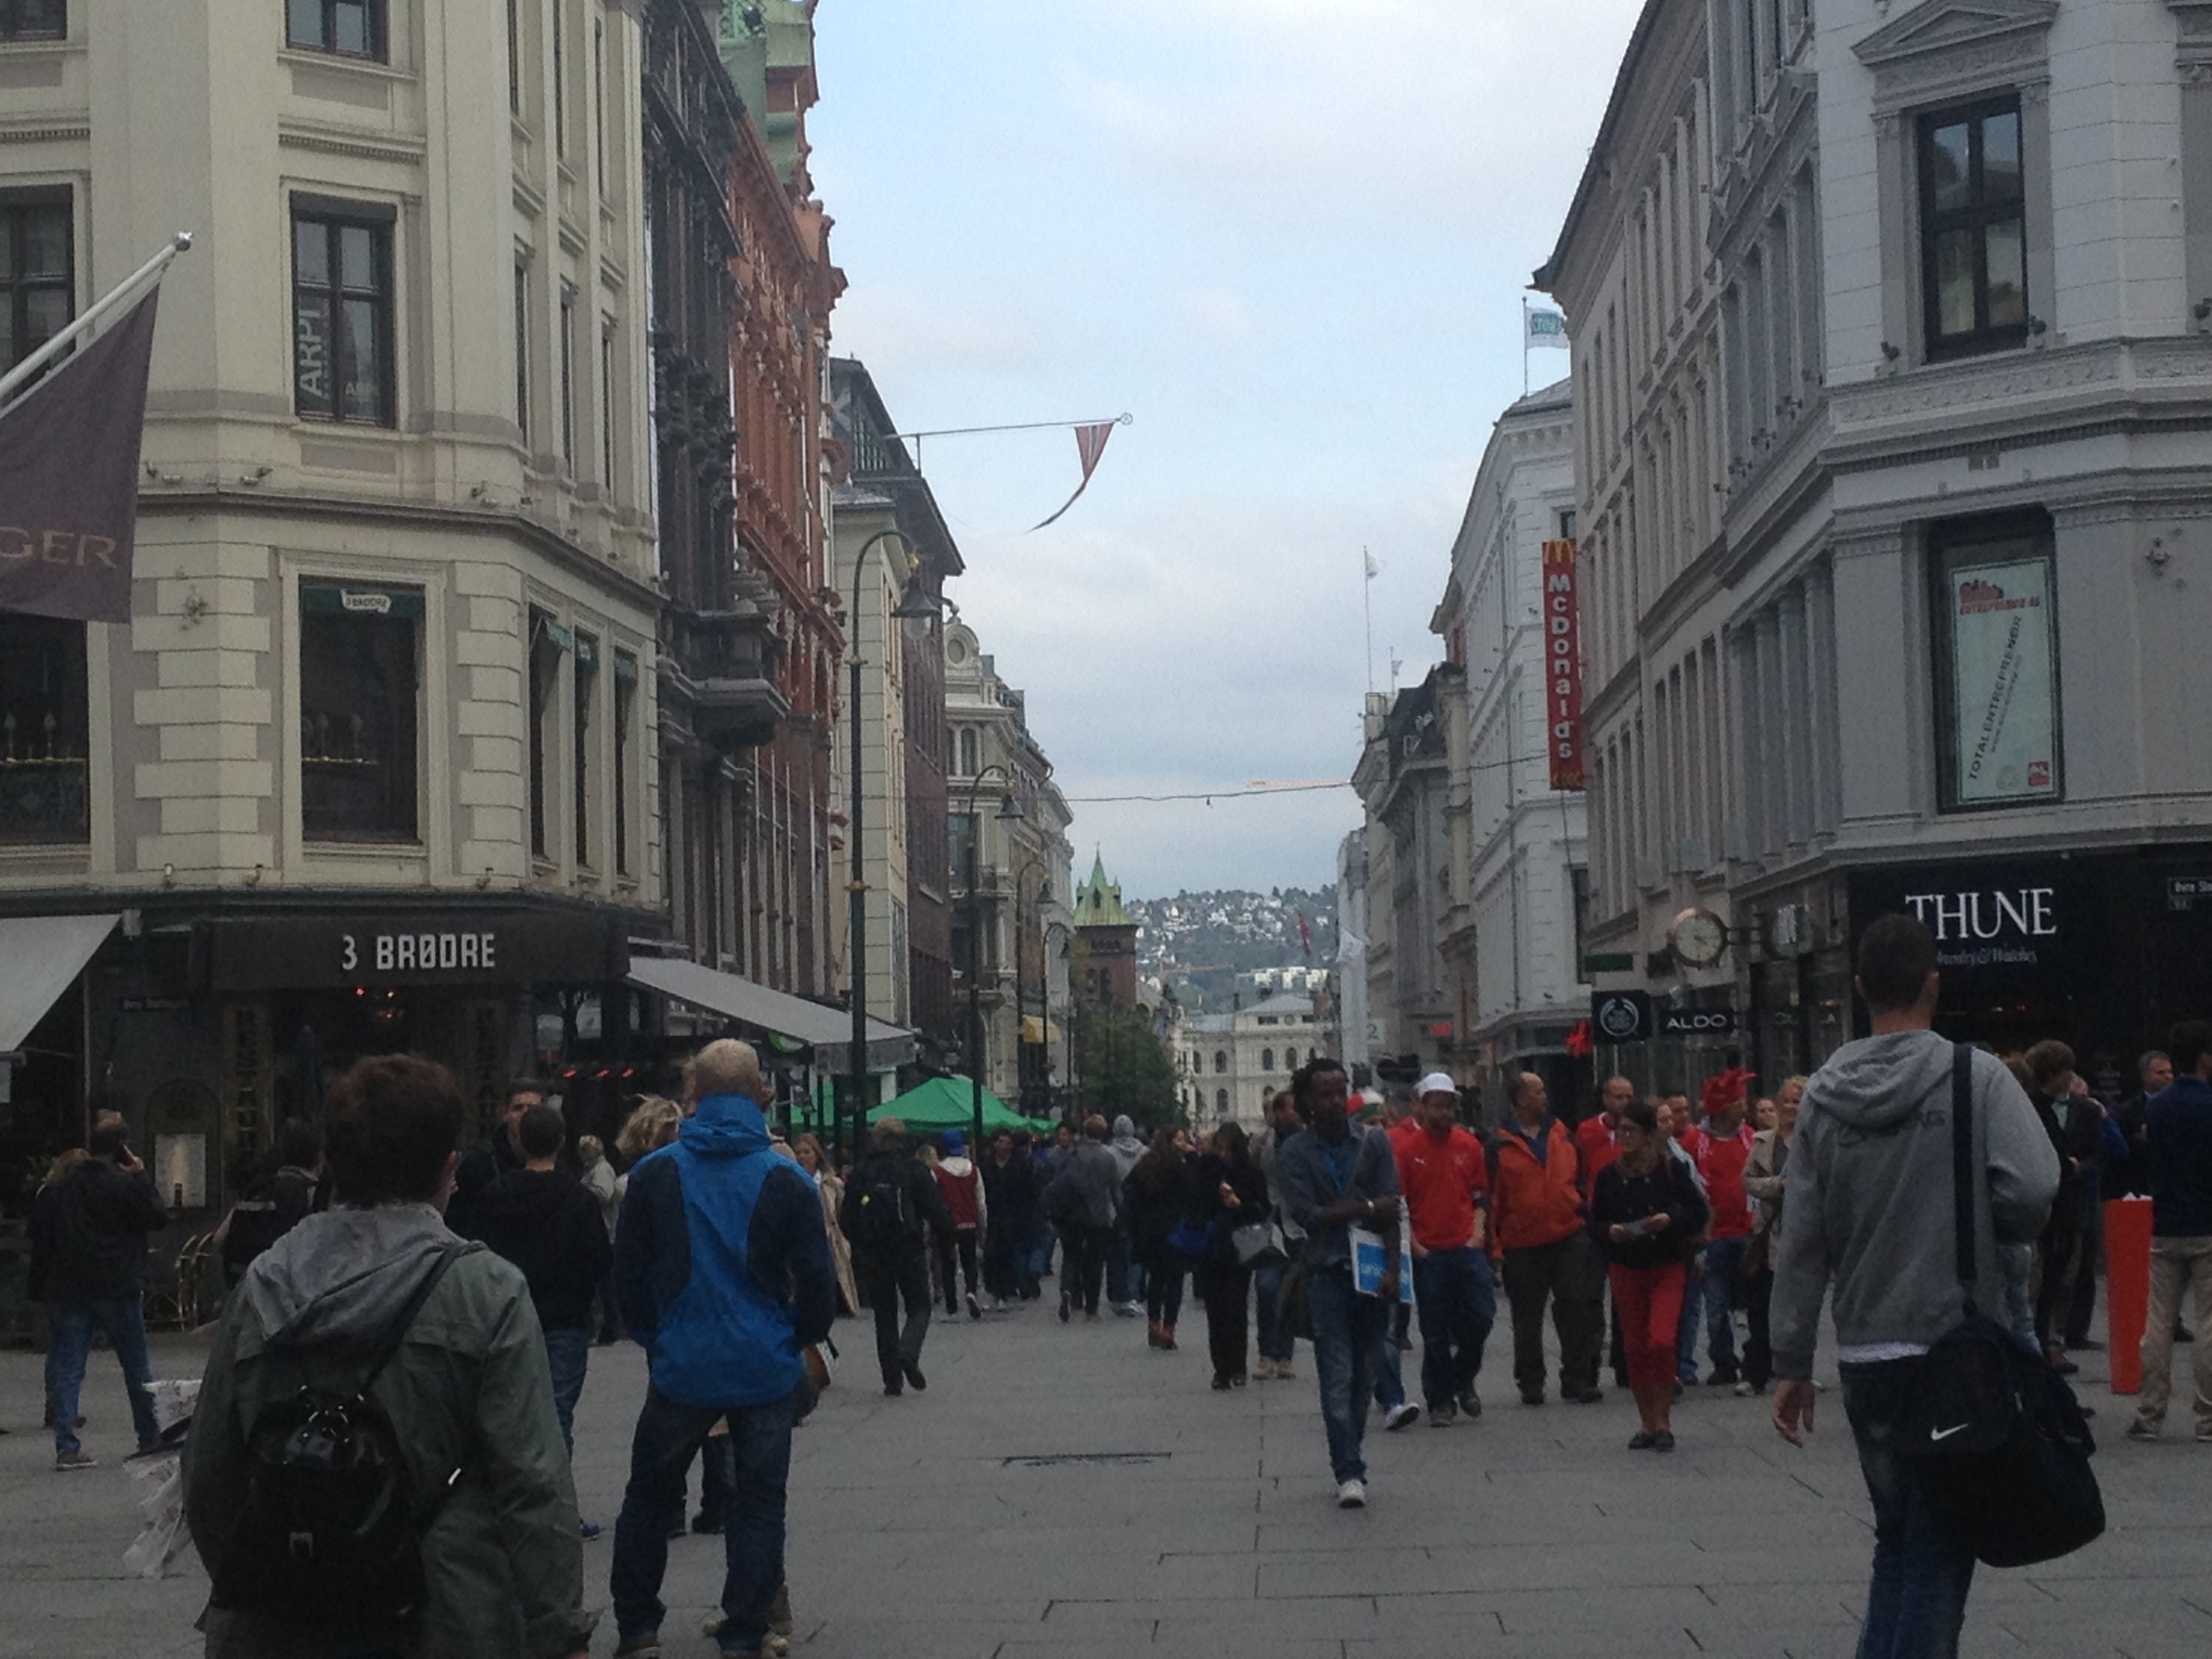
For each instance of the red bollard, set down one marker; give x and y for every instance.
(2127, 1287)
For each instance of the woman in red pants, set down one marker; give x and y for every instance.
(1645, 1212)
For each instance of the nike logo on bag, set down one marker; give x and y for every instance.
(1945, 1434)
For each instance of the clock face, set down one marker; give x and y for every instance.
(1698, 937)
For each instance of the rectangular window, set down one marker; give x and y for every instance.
(33, 20)
(625, 722)
(568, 377)
(45, 717)
(559, 80)
(513, 57)
(342, 315)
(1973, 236)
(607, 406)
(360, 658)
(351, 28)
(600, 103)
(584, 683)
(522, 347)
(1996, 662)
(547, 639)
(37, 280)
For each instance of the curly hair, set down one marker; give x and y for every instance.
(653, 1124)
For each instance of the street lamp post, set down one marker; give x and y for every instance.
(914, 605)
(1010, 811)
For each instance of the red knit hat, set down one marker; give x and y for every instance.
(1726, 1090)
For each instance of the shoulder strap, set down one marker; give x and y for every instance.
(397, 1333)
(1962, 1164)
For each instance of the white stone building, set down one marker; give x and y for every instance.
(1893, 635)
(390, 671)
(1516, 855)
(1229, 1065)
(1025, 870)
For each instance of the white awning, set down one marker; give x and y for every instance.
(39, 956)
(828, 1031)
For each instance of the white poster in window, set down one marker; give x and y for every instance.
(2004, 698)
(179, 1170)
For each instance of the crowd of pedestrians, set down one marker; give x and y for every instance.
(457, 1297)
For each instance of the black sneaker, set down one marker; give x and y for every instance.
(975, 1308)
(1470, 1405)
(894, 1388)
(1663, 1441)
(707, 1524)
(1589, 1395)
(1442, 1415)
(914, 1376)
(1532, 1396)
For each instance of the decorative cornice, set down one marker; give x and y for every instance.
(341, 141)
(1943, 49)
(44, 135)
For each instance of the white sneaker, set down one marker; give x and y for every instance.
(1401, 1415)
(1351, 1495)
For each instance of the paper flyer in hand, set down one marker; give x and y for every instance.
(1368, 1256)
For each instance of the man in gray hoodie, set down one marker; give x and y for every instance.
(1870, 1213)
(1124, 1287)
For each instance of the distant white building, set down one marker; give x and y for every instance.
(1517, 868)
(1351, 1007)
(1228, 1065)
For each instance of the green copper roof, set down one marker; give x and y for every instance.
(1098, 901)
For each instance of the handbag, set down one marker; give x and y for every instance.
(2000, 1444)
(1258, 1244)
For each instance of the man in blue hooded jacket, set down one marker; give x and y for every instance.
(723, 1275)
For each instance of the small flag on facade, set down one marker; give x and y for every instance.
(1373, 568)
(1546, 327)
(1089, 444)
(69, 479)
(1305, 933)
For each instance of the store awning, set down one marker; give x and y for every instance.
(39, 956)
(828, 1031)
(1036, 1031)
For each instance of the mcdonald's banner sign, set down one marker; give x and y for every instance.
(1563, 667)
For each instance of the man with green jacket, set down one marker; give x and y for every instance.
(468, 1391)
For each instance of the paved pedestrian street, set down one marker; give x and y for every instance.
(1063, 1491)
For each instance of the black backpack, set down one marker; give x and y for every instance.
(881, 1207)
(332, 1530)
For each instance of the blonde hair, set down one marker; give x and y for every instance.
(68, 1161)
(1800, 1082)
(653, 1124)
(590, 1148)
(724, 1067)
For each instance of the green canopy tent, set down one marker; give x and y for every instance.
(949, 1102)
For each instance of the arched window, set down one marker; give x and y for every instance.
(1290, 1060)
(1220, 1060)
(967, 751)
(1267, 1059)
(1221, 1101)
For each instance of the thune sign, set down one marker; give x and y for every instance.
(1957, 918)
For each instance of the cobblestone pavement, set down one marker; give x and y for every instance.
(1064, 1492)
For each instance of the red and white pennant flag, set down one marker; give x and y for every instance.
(1090, 444)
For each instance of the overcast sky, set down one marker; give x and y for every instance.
(1291, 237)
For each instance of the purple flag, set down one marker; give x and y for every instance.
(69, 479)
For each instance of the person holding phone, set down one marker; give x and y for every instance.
(88, 1255)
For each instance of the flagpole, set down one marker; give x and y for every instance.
(29, 368)
(1524, 345)
(1367, 605)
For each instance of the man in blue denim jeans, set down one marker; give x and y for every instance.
(1335, 1175)
(1870, 1209)
(722, 1272)
(89, 1236)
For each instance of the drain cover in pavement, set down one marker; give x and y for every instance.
(1060, 1459)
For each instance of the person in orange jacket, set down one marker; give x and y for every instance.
(1537, 1236)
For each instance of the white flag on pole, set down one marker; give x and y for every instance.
(1546, 327)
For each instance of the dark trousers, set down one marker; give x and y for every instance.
(1458, 1304)
(1226, 1288)
(1917, 1601)
(566, 1354)
(1758, 1349)
(2088, 1262)
(961, 1241)
(668, 1434)
(887, 1278)
(1002, 1258)
(1561, 1272)
(1164, 1272)
(1084, 1250)
(2061, 1249)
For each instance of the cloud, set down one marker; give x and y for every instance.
(1292, 238)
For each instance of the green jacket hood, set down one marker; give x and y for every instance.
(341, 1277)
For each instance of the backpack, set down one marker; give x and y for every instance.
(332, 1530)
(881, 1205)
(272, 1206)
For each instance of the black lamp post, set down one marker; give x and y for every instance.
(1010, 811)
(914, 605)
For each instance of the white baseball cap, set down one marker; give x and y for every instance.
(1436, 1082)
